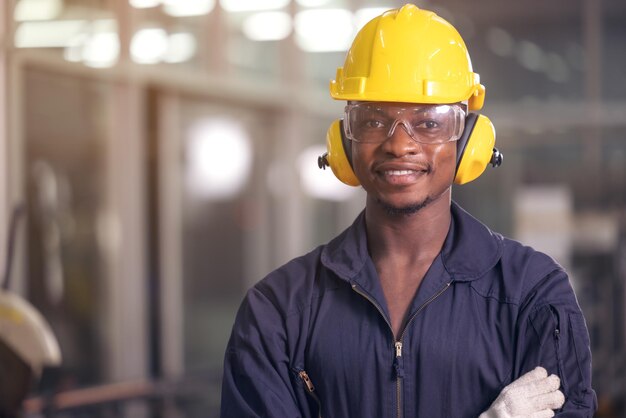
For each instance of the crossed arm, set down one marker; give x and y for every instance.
(552, 334)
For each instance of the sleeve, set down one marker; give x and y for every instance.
(257, 379)
(553, 334)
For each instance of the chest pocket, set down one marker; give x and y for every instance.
(560, 343)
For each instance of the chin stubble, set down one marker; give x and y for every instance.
(408, 210)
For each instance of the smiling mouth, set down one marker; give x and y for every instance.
(402, 172)
(401, 177)
(399, 172)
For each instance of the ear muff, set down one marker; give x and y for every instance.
(475, 149)
(339, 154)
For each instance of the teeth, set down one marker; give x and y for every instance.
(399, 172)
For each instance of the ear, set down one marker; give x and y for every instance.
(475, 148)
(339, 154)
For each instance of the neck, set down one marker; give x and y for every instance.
(412, 237)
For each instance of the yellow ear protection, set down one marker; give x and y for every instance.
(338, 154)
(475, 150)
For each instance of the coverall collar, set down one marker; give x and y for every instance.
(469, 250)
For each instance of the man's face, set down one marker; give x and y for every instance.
(401, 174)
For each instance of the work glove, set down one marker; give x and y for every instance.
(534, 395)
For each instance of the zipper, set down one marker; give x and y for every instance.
(373, 302)
(421, 308)
(398, 344)
(557, 338)
(310, 388)
(557, 348)
(399, 377)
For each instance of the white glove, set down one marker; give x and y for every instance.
(534, 395)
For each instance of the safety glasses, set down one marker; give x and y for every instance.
(427, 124)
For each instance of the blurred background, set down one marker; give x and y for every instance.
(165, 152)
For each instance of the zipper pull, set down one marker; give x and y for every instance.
(307, 381)
(396, 361)
(398, 349)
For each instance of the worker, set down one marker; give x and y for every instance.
(417, 309)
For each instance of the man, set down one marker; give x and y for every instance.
(417, 309)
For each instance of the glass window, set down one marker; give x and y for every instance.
(223, 217)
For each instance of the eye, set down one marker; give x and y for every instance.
(373, 124)
(427, 124)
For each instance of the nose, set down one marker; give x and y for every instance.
(399, 142)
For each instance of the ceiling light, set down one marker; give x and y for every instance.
(267, 26)
(181, 8)
(252, 5)
(26, 10)
(48, 34)
(101, 50)
(312, 3)
(74, 50)
(181, 47)
(144, 4)
(148, 46)
(219, 158)
(324, 30)
(97, 45)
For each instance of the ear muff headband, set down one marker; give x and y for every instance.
(475, 150)
(461, 143)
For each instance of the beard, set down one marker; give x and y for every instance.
(407, 210)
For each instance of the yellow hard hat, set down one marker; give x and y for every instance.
(25, 331)
(408, 55)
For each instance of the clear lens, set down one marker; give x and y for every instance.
(427, 124)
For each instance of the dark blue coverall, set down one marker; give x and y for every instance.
(314, 337)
